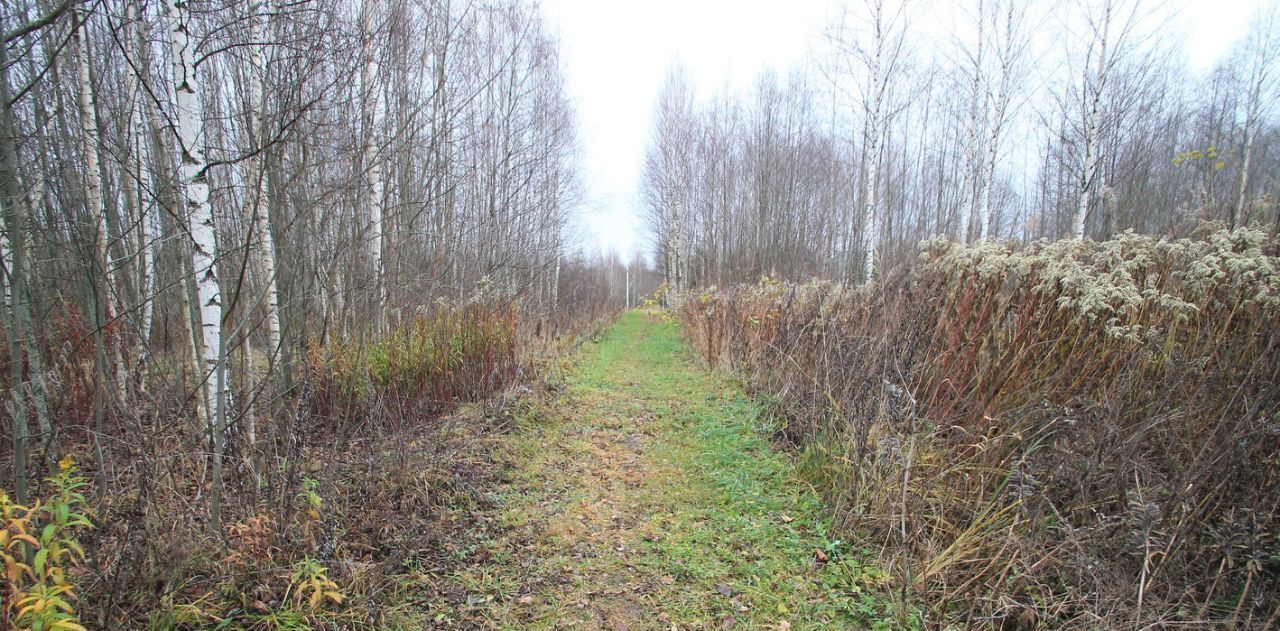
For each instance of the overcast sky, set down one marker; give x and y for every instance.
(616, 55)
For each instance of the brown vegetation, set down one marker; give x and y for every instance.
(1071, 434)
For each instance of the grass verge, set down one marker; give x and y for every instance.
(647, 496)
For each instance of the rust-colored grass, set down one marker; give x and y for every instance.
(1062, 434)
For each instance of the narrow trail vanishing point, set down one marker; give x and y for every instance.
(649, 497)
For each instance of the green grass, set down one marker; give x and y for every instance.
(649, 497)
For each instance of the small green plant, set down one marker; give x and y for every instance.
(310, 498)
(312, 507)
(39, 594)
(311, 584)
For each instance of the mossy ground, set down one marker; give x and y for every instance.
(647, 496)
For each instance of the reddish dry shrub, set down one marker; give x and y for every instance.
(419, 369)
(1087, 432)
(372, 425)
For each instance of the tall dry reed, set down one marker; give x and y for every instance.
(1066, 434)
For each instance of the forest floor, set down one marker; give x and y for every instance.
(646, 495)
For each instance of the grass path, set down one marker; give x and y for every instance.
(648, 497)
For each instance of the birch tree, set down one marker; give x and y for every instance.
(261, 242)
(873, 54)
(135, 190)
(972, 174)
(1011, 42)
(12, 249)
(370, 162)
(105, 285)
(1111, 38)
(1260, 50)
(195, 181)
(667, 178)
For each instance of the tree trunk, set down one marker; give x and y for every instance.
(203, 233)
(370, 161)
(261, 240)
(15, 278)
(104, 282)
(1092, 129)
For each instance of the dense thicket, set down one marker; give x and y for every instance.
(244, 237)
(1021, 119)
(1068, 434)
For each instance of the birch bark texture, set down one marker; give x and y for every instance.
(199, 210)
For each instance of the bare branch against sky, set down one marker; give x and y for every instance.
(617, 54)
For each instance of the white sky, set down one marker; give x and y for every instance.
(617, 53)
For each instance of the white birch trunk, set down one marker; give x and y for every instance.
(555, 278)
(675, 292)
(1250, 132)
(972, 183)
(999, 110)
(870, 215)
(6, 257)
(93, 196)
(1263, 44)
(1090, 169)
(984, 197)
(1093, 91)
(135, 40)
(370, 162)
(196, 192)
(870, 220)
(263, 244)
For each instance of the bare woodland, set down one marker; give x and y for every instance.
(839, 168)
(206, 204)
(274, 274)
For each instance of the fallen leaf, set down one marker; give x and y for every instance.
(729, 623)
(724, 590)
(820, 555)
(525, 600)
(667, 580)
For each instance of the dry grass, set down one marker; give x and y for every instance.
(1062, 434)
(387, 435)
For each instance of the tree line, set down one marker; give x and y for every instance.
(1054, 120)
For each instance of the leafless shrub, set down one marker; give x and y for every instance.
(1094, 424)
